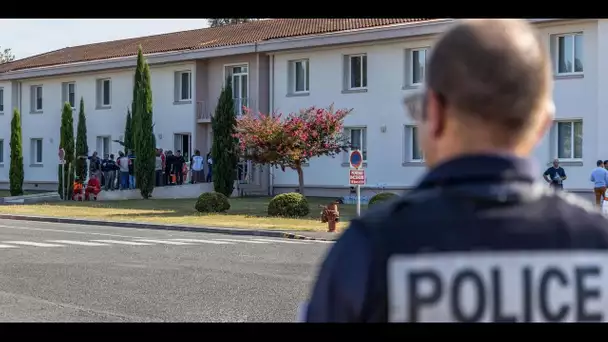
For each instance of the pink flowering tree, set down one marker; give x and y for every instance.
(290, 142)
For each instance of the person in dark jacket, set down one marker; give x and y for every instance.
(132, 180)
(178, 165)
(168, 168)
(109, 168)
(479, 239)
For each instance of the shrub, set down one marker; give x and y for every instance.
(381, 197)
(212, 202)
(290, 204)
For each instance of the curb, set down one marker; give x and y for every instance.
(217, 230)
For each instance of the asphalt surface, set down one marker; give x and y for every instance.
(70, 273)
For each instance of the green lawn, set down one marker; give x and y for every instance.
(244, 213)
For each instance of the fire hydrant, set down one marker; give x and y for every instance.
(330, 215)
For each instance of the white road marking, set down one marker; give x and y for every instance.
(35, 244)
(245, 241)
(118, 242)
(7, 246)
(281, 241)
(164, 242)
(78, 243)
(71, 231)
(321, 241)
(204, 241)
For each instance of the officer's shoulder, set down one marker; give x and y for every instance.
(578, 212)
(392, 211)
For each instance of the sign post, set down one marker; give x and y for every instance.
(61, 155)
(356, 175)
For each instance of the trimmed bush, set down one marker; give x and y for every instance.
(290, 204)
(381, 197)
(212, 202)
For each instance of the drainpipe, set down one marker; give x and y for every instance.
(271, 110)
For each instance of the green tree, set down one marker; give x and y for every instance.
(16, 168)
(66, 141)
(82, 147)
(217, 22)
(6, 56)
(137, 85)
(144, 136)
(224, 149)
(128, 138)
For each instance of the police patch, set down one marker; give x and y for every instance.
(499, 287)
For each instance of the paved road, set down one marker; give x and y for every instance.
(58, 272)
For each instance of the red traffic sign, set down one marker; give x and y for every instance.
(61, 154)
(355, 159)
(356, 177)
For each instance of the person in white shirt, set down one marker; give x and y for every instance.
(196, 165)
(210, 167)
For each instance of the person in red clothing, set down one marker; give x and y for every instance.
(93, 188)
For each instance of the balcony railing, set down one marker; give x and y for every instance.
(204, 111)
(239, 103)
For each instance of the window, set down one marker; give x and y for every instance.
(104, 93)
(240, 87)
(103, 146)
(417, 66)
(1, 151)
(357, 72)
(570, 139)
(37, 98)
(569, 53)
(358, 140)
(183, 86)
(71, 98)
(1, 100)
(413, 149)
(300, 74)
(36, 151)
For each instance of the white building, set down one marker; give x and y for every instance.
(284, 65)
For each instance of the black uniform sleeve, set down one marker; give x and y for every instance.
(341, 286)
(562, 172)
(546, 172)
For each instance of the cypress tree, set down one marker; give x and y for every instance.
(16, 168)
(144, 141)
(82, 147)
(137, 85)
(224, 148)
(66, 141)
(128, 138)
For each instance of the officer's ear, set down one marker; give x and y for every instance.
(434, 112)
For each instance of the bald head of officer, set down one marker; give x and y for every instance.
(488, 90)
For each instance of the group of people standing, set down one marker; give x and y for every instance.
(170, 169)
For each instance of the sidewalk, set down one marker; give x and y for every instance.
(299, 235)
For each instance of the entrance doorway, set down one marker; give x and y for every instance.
(183, 143)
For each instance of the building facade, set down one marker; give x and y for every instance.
(368, 67)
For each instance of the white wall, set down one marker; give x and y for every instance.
(169, 118)
(577, 98)
(381, 105)
(5, 130)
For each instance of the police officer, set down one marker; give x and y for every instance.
(478, 239)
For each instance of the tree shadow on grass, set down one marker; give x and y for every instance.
(255, 207)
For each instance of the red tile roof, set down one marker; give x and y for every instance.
(251, 32)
